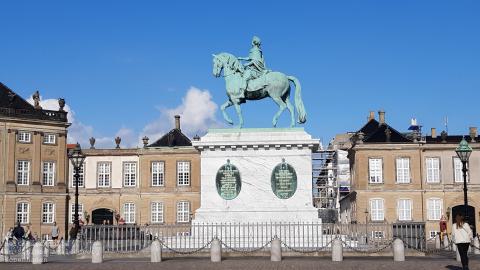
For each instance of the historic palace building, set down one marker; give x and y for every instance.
(156, 184)
(408, 177)
(33, 164)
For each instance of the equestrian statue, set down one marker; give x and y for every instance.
(253, 81)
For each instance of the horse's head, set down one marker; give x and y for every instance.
(228, 62)
(217, 65)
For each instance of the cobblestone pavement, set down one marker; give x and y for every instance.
(253, 263)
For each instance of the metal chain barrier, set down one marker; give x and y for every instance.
(186, 252)
(246, 251)
(359, 250)
(306, 251)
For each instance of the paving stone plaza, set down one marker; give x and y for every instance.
(254, 263)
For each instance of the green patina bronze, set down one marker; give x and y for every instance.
(228, 181)
(253, 81)
(284, 180)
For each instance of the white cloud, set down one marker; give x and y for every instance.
(197, 112)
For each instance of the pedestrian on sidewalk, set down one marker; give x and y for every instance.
(463, 235)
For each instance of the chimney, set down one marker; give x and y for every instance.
(434, 133)
(177, 122)
(381, 117)
(371, 115)
(473, 133)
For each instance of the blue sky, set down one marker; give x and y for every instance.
(125, 67)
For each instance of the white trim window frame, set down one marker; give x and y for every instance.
(129, 174)
(23, 172)
(434, 208)
(403, 170)
(49, 138)
(23, 212)
(81, 178)
(377, 209)
(183, 211)
(375, 170)
(158, 173)
(129, 212)
(457, 170)
(433, 170)
(24, 137)
(183, 173)
(48, 174)
(156, 212)
(48, 212)
(72, 212)
(104, 174)
(404, 209)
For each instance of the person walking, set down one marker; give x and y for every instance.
(55, 232)
(462, 235)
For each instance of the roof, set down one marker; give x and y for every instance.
(10, 99)
(12, 105)
(375, 132)
(173, 138)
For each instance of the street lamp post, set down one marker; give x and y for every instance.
(463, 152)
(76, 158)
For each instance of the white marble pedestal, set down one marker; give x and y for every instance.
(255, 153)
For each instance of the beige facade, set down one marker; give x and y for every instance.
(415, 180)
(33, 169)
(157, 184)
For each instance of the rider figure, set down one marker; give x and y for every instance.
(255, 66)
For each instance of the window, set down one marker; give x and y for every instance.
(72, 212)
(81, 176)
(156, 212)
(433, 170)
(49, 139)
(404, 209)
(129, 212)
(23, 212)
(457, 167)
(183, 173)
(24, 137)
(376, 210)
(434, 234)
(378, 234)
(403, 170)
(48, 173)
(434, 208)
(158, 173)
(183, 211)
(23, 172)
(104, 171)
(48, 212)
(129, 174)
(375, 169)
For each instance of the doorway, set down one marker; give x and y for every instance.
(102, 214)
(470, 215)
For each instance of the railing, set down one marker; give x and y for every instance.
(246, 237)
(20, 251)
(35, 114)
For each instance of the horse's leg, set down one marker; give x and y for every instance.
(225, 105)
(239, 114)
(281, 108)
(291, 110)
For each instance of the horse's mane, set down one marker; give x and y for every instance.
(231, 61)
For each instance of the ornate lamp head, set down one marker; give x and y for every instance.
(76, 156)
(463, 150)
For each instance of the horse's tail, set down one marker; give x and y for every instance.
(302, 114)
